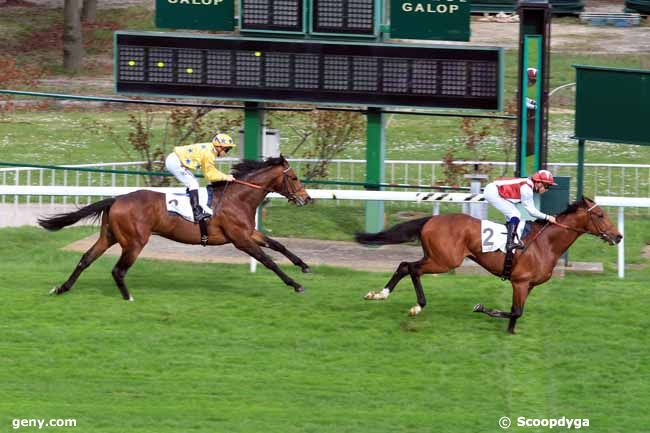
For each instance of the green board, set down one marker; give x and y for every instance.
(196, 14)
(612, 105)
(432, 19)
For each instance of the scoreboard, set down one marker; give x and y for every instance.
(372, 74)
(345, 17)
(286, 16)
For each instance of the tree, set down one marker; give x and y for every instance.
(89, 11)
(181, 126)
(329, 132)
(73, 49)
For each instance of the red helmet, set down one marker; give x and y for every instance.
(544, 176)
(532, 73)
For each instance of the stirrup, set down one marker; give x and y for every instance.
(515, 246)
(200, 216)
(203, 229)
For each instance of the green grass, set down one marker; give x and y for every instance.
(214, 348)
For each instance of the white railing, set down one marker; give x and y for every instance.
(600, 179)
(621, 203)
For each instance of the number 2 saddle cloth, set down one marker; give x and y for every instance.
(494, 236)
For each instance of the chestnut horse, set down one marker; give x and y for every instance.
(448, 239)
(132, 218)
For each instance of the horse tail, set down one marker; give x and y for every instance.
(397, 234)
(58, 221)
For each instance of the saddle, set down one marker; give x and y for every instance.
(507, 263)
(494, 237)
(179, 203)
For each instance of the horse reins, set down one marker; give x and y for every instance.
(601, 233)
(291, 194)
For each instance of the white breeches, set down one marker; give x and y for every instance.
(506, 207)
(174, 166)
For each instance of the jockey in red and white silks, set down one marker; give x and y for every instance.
(504, 193)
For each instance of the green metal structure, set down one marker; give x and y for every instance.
(638, 6)
(375, 155)
(217, 15)
(430, 20)
(534, 52)
(612, 105)
(559, 7)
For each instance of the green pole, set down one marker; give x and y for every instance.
(253, 126)
(523, 110)
(581, 169)
(375, 155)
(538, 97)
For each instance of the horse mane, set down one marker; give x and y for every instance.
(248, 166)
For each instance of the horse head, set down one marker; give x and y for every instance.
(274, 174)
(592, 219)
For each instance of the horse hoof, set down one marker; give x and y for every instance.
(54, 291)
(414, 311)
(130, 299)
(479, 308)
(377, 296)
(300, 290)
(306, 270)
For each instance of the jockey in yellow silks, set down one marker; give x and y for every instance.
(201, 156)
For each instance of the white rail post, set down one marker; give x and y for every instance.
(253, 262)
(621, 245)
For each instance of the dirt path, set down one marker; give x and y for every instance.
(314, 252)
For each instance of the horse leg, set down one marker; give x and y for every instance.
(252, 249)
(401, 271)
(105, 241)
(519, 294)
(266, 241)
(416, 270)
(129, 255)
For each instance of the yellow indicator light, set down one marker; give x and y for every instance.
(189, 70)
(131, 62)
(258, 54)
(160, 64)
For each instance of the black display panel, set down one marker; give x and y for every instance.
(344, 17)
(308, 71)
(272, 15)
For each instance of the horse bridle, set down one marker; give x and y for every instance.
(286, 186)
(602, 234)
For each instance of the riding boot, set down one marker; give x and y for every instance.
(513, 242)
(196, 208)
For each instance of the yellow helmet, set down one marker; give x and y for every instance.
(222, 140)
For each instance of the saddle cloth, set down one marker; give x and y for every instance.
(493, 236)
(180, 204)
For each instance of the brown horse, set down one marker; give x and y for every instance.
(448, 239)
(132, 218)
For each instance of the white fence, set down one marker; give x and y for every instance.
(620, 202)
(600, 179)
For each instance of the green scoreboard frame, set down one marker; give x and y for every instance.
(308, 71)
